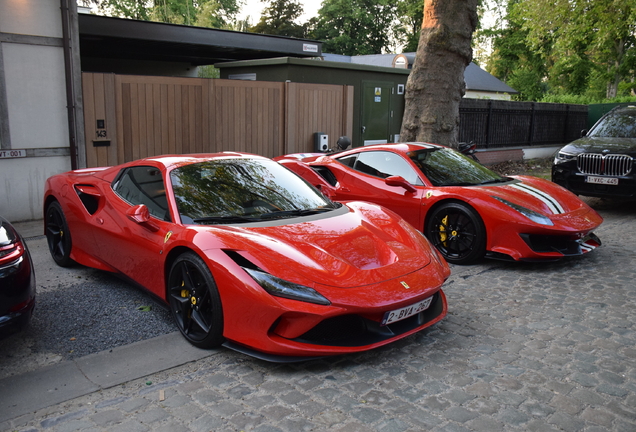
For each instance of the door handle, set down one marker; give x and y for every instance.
(364, 128)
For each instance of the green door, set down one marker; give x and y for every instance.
(376, 112)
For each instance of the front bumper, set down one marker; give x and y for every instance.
(570, 235)
(274, 326)
(568, 176)
(344, 334)
(17, 295)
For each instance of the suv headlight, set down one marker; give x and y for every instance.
(562, 157)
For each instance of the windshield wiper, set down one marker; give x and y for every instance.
(293, 213)
(225, 219)
(500, 180)
(459, 184)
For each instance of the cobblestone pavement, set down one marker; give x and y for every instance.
(525, 347)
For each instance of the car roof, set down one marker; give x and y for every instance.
(622, 110)
(171, 161)
(396, 147)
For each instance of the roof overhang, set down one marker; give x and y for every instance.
(116, 38)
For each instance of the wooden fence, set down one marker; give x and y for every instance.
(130, 117)
(496, 124)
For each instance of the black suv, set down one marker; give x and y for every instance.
(601, 163)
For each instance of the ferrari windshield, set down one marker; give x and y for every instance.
(447, 167)
(242, 190)
(621, 124)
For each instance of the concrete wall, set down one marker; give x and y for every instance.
(473, 94)
(34, 135)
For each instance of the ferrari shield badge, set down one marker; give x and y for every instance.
(405, 285)
(167, 237)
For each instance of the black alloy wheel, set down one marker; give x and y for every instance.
(458, 232)
(58, 236)
(195, 302)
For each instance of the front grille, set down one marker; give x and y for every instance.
(547, 243)
(354, 330)
(609, 165)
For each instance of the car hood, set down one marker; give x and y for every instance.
(539, 195)
(599, 144)
(362, 245)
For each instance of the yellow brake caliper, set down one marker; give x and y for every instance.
(186, 293)
(442, 230)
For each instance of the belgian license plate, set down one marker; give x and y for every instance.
(405, 312)
(602, 180)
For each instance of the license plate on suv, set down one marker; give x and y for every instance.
(601, 180)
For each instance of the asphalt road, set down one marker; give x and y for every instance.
(525, 347)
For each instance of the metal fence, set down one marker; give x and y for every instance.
(497, 124)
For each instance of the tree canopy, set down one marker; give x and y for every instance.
(410, 14)
(203, 13)
(279, 18)
(573, 47)
(355, 27)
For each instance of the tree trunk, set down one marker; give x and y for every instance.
(436, 83)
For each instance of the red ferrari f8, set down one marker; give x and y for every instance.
(248, 254)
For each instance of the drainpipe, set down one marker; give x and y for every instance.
(70, 92)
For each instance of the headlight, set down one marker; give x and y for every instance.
(285, 289)
(530, 214)
(562, 157)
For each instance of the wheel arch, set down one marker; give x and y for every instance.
(477, 248)
(173, 254)
(444, 201)
(47, 202)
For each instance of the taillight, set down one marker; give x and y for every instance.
(10, 252)
(20, 306)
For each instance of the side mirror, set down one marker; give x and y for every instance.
(399, 181)
(584, 133)
(140, 214)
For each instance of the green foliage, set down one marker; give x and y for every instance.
(135, 9)
(279, 19)
(208, 71)
(512, 60)
(203, 13)
(585, 100)
(574, 47)
(355, 27)
(528, 83)
(410, 14)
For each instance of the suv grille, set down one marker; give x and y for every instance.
(610, 165)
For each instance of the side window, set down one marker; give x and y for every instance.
(143, 185)
(348, 160)
(385, 164)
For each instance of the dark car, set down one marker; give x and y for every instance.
(601, 163)
(17, 280)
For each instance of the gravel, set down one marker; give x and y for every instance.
(533, 167)
(73, 320)
(86, 318)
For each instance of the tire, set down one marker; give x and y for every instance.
(195, 302)
(458, 232)
(58, 236)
